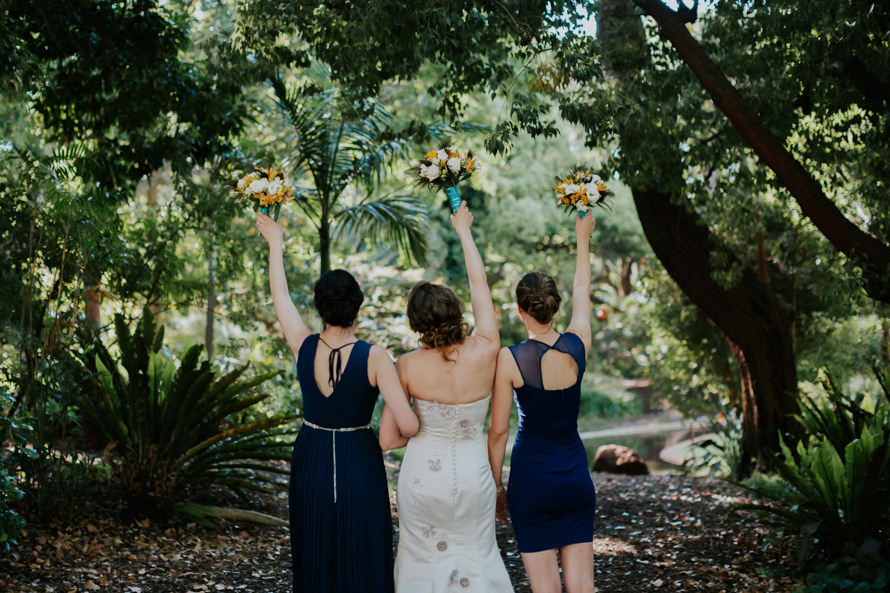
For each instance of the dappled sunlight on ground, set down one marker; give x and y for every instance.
(652, 533)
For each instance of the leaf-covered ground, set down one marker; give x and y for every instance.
(653, 533)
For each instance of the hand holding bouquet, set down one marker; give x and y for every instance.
(444, 168)
(580, 189)
(267, 188)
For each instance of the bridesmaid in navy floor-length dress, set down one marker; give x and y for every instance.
(339, 500)
(340, 522)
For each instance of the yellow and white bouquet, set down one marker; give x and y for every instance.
(267, 188)
(444, 168)
(581, 189)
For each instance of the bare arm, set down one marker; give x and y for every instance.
(295, 330)
(397, 421)
(480, 296)
(499, 425)
(501, 405)
(580, 323)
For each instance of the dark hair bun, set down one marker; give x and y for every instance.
(435, 312)
(538, 296)
(338, 298)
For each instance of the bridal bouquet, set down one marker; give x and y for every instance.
(444, 168)
(267, 188)
(580, 189)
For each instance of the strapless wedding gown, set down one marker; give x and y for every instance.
(446, 498)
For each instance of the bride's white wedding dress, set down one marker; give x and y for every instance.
(446, 498)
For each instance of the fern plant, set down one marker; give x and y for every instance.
(837, 480)
(170, 427)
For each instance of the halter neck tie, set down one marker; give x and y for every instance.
(334, 360)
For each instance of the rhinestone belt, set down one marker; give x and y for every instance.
(334, 432)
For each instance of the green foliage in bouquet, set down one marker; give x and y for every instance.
(171, 428)
(836, 491)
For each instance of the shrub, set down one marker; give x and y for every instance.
(721, 454)
(171, 428)
(849, 574)
(11, 522)
(617, 404)
(837, 479)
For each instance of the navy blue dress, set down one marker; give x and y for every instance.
(340, 523)
(551, 496)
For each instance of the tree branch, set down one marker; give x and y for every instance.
(873, 254)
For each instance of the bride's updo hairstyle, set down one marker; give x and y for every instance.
(537, 295)
(435, 312)
(338, 298)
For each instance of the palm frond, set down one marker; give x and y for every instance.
(309, 117)
(397, 221)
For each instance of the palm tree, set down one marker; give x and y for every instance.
(338, 155)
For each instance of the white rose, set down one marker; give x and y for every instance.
(595, 179)
(592, 192)
(241, 184)
(442, 155)
(571, 188)
(431, 173)
(583, 208)
(258, 186)
(275, 187)
(453, 164)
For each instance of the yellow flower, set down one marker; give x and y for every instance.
(601, 187)
(471, 164)
(431, 155)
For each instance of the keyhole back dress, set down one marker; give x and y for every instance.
(550, 493)
(340, 522)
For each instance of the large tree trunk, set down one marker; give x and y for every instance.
(755, 320)
(871, 253)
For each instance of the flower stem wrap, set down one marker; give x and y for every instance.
(453, 197)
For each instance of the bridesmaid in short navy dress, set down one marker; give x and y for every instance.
(340, 522)
(551, 497)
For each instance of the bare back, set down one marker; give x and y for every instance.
(426, 375)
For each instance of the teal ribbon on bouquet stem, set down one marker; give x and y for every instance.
(274, 211)
(453, 197)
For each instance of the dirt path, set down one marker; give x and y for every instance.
(653, 533)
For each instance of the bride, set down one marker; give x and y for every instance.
(446, 493)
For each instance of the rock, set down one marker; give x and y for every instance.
(618, 459)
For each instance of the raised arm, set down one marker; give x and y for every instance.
(499, 425)
(480, 296)
(295, 330)
(397, 421)
(580, 323)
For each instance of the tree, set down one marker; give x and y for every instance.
(346, 160)
(681, 156)
(865, 73)
(103, 93)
